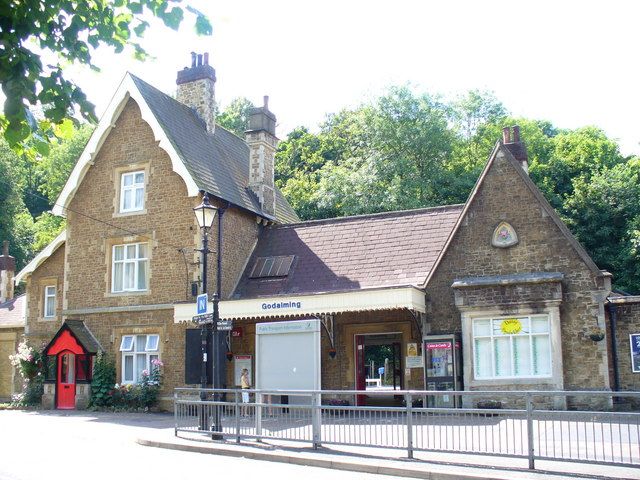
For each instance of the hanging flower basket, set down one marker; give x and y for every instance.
(597, 335)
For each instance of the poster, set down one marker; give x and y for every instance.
(634, 340)
(412, 349)
(414, 361)
(240, 362)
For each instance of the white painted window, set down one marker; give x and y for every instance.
(49, 301)
(138, 353)
(130, 265)
(511, 347)
(132, 192)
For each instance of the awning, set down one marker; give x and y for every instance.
(393, 298)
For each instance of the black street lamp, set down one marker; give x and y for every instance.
(205, 214)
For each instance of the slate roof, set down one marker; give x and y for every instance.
(218, 163)
(81, 333)
(350, 253)
(12, 312)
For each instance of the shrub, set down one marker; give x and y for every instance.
(105, 393)
(104, 377)
(28, 362)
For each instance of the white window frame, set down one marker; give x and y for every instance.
(492, 337)
(134, 262)
(49, 296)
(133, 189)
(130, 348)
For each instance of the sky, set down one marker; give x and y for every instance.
(572, 63)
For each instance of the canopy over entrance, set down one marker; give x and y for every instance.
(394, 298)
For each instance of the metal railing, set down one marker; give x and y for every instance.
(569, 426)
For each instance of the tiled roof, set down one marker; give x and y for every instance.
(218, 163)
(388, 249)
(12, 312)
(84, 336)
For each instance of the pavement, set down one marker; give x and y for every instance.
(433, 466)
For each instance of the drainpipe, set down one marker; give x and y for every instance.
(613, 316)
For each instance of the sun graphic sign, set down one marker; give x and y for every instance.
(511, 326)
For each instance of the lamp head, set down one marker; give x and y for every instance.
(205, 212)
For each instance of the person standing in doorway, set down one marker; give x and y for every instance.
(245, 384)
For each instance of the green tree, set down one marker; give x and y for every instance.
(604, 214)
(16, 224)
(235, 117)
(72, 30)
(56, 166)
(396, 154)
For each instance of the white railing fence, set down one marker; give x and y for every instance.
(591, 427)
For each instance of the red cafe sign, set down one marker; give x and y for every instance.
(433, 346)
(236, 332)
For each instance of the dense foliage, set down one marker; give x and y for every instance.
(38, 38)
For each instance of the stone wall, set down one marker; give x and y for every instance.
(504, 197)
(167, 224)
(628, 323)
(10, 379)
(38, 329)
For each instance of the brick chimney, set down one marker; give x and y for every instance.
(262, 141)
(196, 89)
(7, 272)
(511, 140)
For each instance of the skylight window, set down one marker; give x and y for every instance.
(272, 266)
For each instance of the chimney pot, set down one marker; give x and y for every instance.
(206, 58)
(193, 59)
(266, 102)
(506, 134)
(516, 134)
(7, 271)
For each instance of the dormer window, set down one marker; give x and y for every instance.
(132, 192)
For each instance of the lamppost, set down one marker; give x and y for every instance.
(205, 214)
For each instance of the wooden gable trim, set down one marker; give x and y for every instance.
(41, 257)
(125, 91)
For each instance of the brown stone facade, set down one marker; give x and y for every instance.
(628, 323)
(576, 300)
(83, 265)
(10, 380)
(39, 329)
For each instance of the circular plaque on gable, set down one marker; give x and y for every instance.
(504, 236)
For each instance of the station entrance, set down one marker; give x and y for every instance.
(378, 367)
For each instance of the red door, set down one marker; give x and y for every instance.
(361, 383)
(66, 387)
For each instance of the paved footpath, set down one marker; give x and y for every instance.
(36, 445)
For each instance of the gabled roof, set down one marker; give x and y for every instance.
(217, 164)
(81, 333)
(350, 253)
(45, 253)
(501, 149)
(12, 312)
